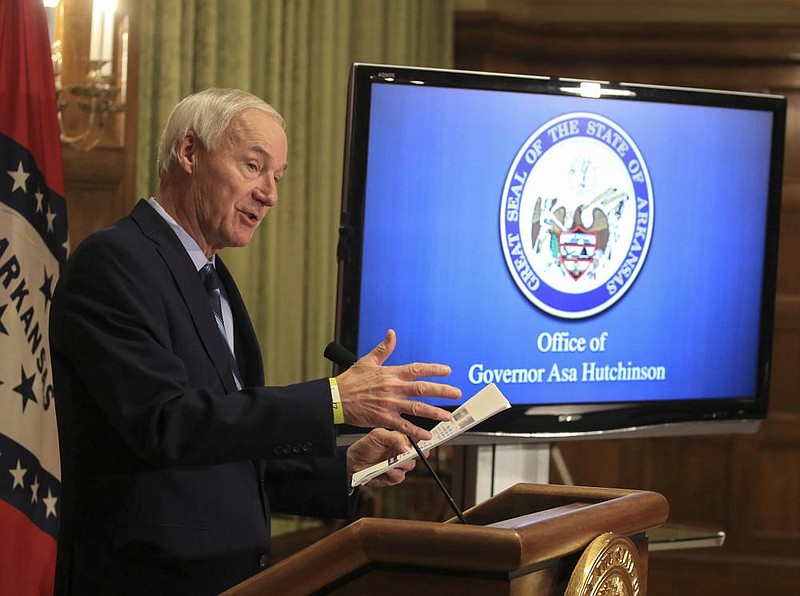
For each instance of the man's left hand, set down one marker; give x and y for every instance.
(380, 444)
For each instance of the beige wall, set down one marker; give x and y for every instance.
(696, 11)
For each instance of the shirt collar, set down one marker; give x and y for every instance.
(190, 244)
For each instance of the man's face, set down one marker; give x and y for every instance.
(234, 185)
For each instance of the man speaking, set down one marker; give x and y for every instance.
(173, 451)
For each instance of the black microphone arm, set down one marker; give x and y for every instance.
(344, 358)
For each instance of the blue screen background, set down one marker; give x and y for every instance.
(433, 266)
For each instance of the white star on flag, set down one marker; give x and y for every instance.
(39, 196)
(50, 218)
(35, 490)
(20, 176)
(50, 503)
(18, 474)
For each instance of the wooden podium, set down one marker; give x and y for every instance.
(531, 539)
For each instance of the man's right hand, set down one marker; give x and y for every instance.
(374, 395)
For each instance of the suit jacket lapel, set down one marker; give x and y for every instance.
(189, 286)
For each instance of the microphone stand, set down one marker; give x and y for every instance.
(439, 482)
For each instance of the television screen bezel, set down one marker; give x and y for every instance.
(554, 421)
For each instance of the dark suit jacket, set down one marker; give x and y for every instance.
(169, 473)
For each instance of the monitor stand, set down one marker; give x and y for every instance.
(502, 466)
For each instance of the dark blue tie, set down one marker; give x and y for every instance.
(213, 286)
(214, 289)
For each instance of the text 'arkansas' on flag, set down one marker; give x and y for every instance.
(33, 246)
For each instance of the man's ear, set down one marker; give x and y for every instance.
(187, 151)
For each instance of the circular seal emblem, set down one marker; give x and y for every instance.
(576, 216)
(609, 566)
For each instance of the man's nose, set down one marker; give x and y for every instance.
(266, 193)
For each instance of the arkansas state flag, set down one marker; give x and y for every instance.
(33, 245)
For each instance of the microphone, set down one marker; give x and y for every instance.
(344, 358)
(339, 355)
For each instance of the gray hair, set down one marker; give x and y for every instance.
(208, 114)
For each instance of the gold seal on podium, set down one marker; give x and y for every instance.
(608, 567)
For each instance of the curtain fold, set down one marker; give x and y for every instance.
(295, 54)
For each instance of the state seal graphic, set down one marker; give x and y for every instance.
(576, 216)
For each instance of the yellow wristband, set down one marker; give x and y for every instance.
(338, 411)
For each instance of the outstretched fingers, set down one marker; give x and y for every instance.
(374, 395)
(380, 353)
(419, 409)
(419, 370)
(431, 389)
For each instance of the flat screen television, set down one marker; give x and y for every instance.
(604, 252)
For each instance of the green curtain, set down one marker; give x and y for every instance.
(295, 54)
